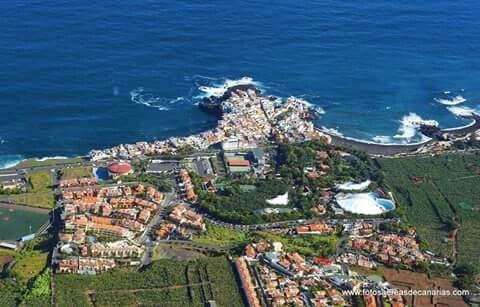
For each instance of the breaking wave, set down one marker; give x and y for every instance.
(462, 111)
(143, 97)
(452, 101)
(410, 125)
(51, 158)
(8, 161)
(217, 89)
(383, 139)
(332, 131)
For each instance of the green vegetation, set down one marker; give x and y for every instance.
(39, 191)
(76, 172)
(40, 182)
(437, 195)
(221, 236)
(9, 293)
(292, 160)
(32, 259)
(32, 275)
(49, 162)
(163, 185)
(39, 293)
(43, 200)
(467, 277)
(173, 283)
(238, 206)
(311, 245)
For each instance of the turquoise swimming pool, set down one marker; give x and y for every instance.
(386, 204)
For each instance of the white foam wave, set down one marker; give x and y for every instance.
(218, 89)
(409, 127)
(383, 139)
(8, 161)
(308, 104)
(51, 158)
(332, 131)
(461, 111)
(320, 110)
(452, 101)
(141, 96)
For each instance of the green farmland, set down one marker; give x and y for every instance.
(438, 194)
(173, 283)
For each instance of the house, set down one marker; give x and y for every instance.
(118, 249)
(12, 181)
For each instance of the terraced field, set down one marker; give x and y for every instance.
(164, 282)
(438, 194)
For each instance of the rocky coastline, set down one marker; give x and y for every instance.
(249, 118)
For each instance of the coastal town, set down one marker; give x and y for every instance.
(248, 119)
(299, 219)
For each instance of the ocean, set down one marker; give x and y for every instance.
(81, 75)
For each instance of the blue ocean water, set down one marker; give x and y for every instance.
(77, 75)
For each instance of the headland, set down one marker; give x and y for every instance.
(247, 117)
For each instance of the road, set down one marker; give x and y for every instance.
(145, 238)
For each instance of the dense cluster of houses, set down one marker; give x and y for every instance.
(317, 228)
(185, 185)
(182, 216)
(101, 222)
(77, 182)
(286, 278)
(248, 119)
(81, 265)
(182, 224)
(389, 249)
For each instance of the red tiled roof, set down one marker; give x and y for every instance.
(239, 163)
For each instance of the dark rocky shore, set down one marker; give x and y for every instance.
(377, 149)
(392, 149)
(213, 104)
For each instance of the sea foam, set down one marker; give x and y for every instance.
(461, 111)
(218, 89)
(409, 127)
(143, 97)
(452, 101)
(331, 131)
(8, 161)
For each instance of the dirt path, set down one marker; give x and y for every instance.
(90, 292)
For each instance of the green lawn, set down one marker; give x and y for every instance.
(312, 245)
(76, 172)
(216, 235)
(40, 181)
(43, 200)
